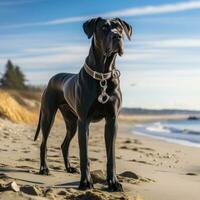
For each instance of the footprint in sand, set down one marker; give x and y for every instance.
(3, 150)
(192, 174)
(128, 141)
(52, 150)
(140, 161)
(56, 148)
(56, 167)
(35, 144)
(54, 156)
(135, 149)
(95, 150)
(74, 157)
(135, 141)
(6, 134)
(3, 165)
(124, 147)
(26, 151)
(56, 161)
(147, 148)
(28, 159)
(24, 167)
(94, 159)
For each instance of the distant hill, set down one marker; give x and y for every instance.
(141, 111)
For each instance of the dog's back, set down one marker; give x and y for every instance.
(53, 98)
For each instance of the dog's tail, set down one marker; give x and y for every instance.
(38, 127)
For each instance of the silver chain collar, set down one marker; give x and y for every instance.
(104, 97)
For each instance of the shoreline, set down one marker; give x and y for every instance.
(174, 167)
(178, 131)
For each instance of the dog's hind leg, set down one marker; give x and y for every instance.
(47, 119)
(71, 126)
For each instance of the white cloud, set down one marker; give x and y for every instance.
(45, 60)
(51, 56)
(178, 43)
(65, 48)
(66, 20)
(166, 51)
(151, 10)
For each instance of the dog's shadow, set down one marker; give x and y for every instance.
(6, 173)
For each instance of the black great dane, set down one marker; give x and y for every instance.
(89, 96)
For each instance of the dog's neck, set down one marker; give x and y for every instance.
(98, 61)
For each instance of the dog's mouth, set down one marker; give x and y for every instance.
(119, 50)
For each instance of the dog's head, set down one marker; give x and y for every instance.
(108, 34)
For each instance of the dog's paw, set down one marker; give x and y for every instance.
(115, 186)
(44, 171)
(85, 185)
(72, 170)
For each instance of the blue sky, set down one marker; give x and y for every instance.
(161, 65)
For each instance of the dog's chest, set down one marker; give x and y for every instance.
(99, 111)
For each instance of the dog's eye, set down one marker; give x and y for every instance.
(104, 28)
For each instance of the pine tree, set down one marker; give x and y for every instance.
(13, 78)
(20, 78)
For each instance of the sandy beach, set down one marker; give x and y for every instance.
(149, 169)
(91, 60)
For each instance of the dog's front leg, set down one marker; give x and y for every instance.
(110, 136)
(83, 135)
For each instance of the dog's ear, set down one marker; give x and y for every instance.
(127, 28)
(89, 26)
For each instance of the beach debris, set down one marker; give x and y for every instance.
(98, 176)
(31, 190)
(129, 174)
(12, 186)
(133, 178)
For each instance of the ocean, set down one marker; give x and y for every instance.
(184, 132)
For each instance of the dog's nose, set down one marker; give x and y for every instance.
(116, 36)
